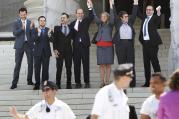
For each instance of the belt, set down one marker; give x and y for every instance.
(146, 41)
(126, 39)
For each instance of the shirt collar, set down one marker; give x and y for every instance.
(23, 20)
(120, 92)
(42, 27)
(56, 105)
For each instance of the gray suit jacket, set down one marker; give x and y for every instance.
(104, 30)
(118, 23)
(19, 34)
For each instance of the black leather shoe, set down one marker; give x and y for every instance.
(13, 86)
(87, 85)
(30, 83)
(36, 88)
(77, 86)
(68, 86)
(145, 85)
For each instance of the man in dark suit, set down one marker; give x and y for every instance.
(124, 38)
(23, 43)
(63, 49)
(81, 44)
(42, 51)
(150, 40)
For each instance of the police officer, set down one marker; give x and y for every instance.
(111, 101)
(50, 108)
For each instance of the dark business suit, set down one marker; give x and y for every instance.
(62, 43)
(81, 44)
(20, 47)
(125, 47)
(42, 53)
(151, 47)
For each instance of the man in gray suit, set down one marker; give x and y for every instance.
(23, 43)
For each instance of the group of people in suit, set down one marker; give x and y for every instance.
(35, 42)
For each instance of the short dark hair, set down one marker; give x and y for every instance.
(23, 9)
(149, 5)
(67, 15)
(121, 13)
(174, 81)
(42, 17)
(160, 76)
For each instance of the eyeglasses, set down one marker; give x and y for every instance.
(46, 89)
(126, 16)
(149, 10)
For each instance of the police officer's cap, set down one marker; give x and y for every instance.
(124, 69)
(49, 84)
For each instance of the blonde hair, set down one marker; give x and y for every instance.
(106, 14)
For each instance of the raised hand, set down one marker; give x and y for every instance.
(32, 25)
(158, 10)
(89, 4)
(111, 3)
(136, 2)
(13, 111)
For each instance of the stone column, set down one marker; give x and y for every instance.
(174, 28)
(51, 9)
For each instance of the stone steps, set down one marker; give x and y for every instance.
(80, 100)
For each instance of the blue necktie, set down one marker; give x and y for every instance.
(145, 26)
(65, 30)
(42, 31)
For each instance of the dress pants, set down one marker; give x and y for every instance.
(41, 61)
(19, 53)
(81, 53)
(67, 57)
(125, 54)
(150, 55)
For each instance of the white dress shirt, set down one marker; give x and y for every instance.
(25, 22)
(76, 24)
(146, 37)
(58, 110)
(125, 31)
(111, 103)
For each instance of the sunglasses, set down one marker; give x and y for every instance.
(46, 89)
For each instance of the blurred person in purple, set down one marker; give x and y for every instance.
(169, 103)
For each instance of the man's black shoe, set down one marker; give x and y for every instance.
(145, 85)
(30, 83)
(78, 86)
(68, 86)
(36, 88)
(87, 85)
(13, 86)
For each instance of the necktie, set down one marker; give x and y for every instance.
(24, 30)
(145, 26)
(42, 31)
(65, 30)
(79, 22)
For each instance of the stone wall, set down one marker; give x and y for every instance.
(8, 13)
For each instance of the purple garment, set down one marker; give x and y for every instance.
(169, 106)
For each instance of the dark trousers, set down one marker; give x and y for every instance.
(41, 61)
(125, 54)
(19, 53)
(81, 53)
(150, 55)
(67, 56)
